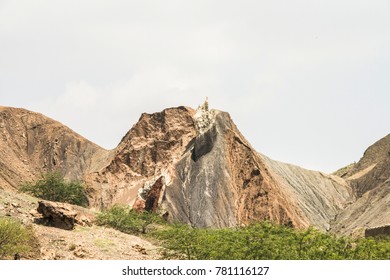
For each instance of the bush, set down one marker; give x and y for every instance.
(14, 238)
(260, 241)
(266, 241)
(52, 186)
(128, 220)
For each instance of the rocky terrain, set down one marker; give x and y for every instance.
(194, 166)
(85, 241)
(370, 181)
(32, 144)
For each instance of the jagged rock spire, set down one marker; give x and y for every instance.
(204, 118)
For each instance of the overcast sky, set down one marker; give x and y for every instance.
(306, 82)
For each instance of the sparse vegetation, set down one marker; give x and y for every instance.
(72, 247)
(128, 220)
(254, 242)
(15, 239)
(52, 186)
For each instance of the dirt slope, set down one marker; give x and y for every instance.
(84, 242)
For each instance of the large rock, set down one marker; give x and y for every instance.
(57, 214)
(63, 215)
(377, 231)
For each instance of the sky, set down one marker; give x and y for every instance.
(306, 82)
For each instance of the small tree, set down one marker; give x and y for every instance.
(52, 186)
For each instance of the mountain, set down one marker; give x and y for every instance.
(194, 166)
(370, 181)
(197, 168)
(32, 144)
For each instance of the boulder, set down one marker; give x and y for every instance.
(377, 231)
(57, 214)
(63, 215)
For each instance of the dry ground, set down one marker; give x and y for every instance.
(95, 242)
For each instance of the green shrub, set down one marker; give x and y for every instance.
(128, 220)
(52, 186)
(266, 241)
(260, 241)
(14, 238)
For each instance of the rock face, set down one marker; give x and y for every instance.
(31, 144)
(221, 181)
(197, 168)
(146, 153)
(370, 180)
(194, 166)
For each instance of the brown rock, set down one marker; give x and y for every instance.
(63, 215)
(377, 231)
(140, 249)
(147, 150)
(57, 214)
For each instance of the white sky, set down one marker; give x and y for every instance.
(306, 82)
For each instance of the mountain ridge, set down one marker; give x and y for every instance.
(196, 167)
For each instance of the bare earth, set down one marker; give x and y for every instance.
(94, 243)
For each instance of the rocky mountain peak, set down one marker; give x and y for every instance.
(204, 117)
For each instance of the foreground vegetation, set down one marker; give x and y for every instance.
(15, 239)
(129, 220)
(52, 186)
(258, 241)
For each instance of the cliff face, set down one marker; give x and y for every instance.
(31, 144)
(197, 168)
(220, 182)
(146, 153)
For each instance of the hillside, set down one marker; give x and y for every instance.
(370, 180)
(32, 144)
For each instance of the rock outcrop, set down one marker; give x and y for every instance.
(57, 214)
(377, 231)
(63, 215)
(146, 153)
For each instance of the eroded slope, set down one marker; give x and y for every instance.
(32, 144)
